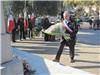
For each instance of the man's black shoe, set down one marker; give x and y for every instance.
(72, 61)
(14, 41)
(55, 60)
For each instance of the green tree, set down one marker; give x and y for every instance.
(47, 7)
(17, 7)
(81, 4)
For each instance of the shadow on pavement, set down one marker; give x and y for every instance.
(87, 61)
(89, 52)
(86, 67)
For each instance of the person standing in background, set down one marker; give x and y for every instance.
(20, 24)
(46, 24)
(33, 18)
(14, 32)
(30, 26)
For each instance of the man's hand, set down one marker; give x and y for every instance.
(72, 34)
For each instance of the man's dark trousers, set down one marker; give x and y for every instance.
(70, 43)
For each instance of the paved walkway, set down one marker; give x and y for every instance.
(87, 55)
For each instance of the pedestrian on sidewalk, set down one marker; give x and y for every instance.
(90, 22)
(14, 32)
(46, 24)
(30, 27)
(72, 30)
(20, 24)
